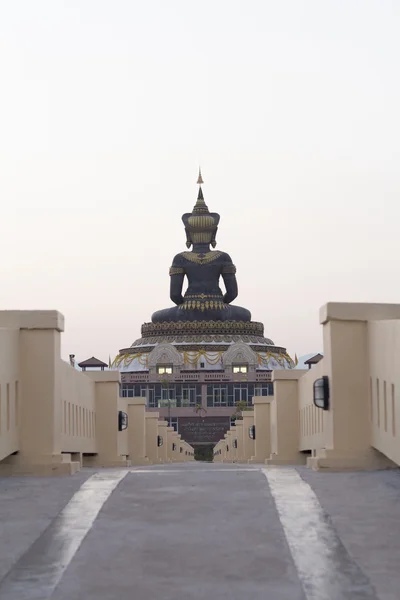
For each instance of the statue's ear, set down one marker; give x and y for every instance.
(185, 218)
(216, 218)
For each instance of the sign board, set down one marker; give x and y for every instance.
(197, 430)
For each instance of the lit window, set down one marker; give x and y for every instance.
(164, 370)
(240, 368)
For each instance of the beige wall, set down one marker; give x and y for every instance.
(53, 417)
(78, 411)
(384, 400)
(50, 414)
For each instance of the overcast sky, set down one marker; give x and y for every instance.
(108, 107)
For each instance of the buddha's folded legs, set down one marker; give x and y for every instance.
(236, 313)
(166, 314)
(228, 313)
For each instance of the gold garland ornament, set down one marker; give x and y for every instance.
(200, 258)
(127, 359)
(212, 358)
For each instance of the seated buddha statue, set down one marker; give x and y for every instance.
(203, 267)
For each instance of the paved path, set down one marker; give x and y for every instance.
(199, 531)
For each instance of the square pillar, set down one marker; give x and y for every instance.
(137, 431)
(151, 420)
(263, 429)
(239, 436)
(162, 451)
(229, 453)
(285, 419)
(248, 443)
(107, 434)
(233, 439)
(170, 441)
(40, 416)
(347, 423)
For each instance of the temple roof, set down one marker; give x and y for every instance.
(92, 362)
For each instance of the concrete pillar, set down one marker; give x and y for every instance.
(107, 434)
(248, 443)
(151, 419)
(40, 418)
(163, 450)
(233, 441)
(284, 449)
(170, 441)
(239, 436)
(137, 431)
(347, 425)
(263, 428)
(229, 446)
(180, 449)
(225, 457)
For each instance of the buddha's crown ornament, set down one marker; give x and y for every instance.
(200, 225)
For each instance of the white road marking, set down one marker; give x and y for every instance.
(40, 569)
(184, 471)
(326, 570)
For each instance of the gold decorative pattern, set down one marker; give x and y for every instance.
(280, 358)
(211, 358)
(229, 269)
(203, 305)
(212, 355)
(203, 296)
(202, 328)
(176, 271)
(128, 358)
(201, 259)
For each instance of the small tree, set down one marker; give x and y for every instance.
(241, 406)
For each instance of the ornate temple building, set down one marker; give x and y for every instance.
(198, 360)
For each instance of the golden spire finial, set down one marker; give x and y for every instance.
(200, 179)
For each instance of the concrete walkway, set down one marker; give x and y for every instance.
(201, 531)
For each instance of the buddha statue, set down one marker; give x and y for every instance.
(203, 267)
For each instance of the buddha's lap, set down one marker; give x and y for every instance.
(228, 313)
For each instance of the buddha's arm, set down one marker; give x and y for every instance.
(229, 277)
(177, 276)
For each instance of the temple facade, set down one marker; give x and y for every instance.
(201, 361)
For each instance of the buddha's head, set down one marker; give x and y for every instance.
(200, 225)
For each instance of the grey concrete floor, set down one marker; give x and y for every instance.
(198, 531)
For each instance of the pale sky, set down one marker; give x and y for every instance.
(291, 107)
